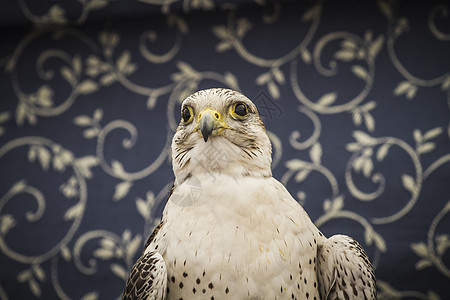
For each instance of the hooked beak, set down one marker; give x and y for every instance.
(210, 123)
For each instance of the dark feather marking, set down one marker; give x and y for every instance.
(155, 231)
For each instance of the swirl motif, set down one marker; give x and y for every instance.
(332, 89)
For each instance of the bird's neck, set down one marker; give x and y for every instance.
(219, 156)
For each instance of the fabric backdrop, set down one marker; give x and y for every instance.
(355, 96)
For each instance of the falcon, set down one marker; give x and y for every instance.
(229, 230)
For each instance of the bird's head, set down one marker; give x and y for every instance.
(221, 132)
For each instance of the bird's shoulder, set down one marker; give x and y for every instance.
(344, 269)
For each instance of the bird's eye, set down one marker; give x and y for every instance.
(186, 114)
(240, 109)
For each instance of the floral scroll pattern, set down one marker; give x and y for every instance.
(355, 97)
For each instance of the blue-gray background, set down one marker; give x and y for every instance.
(355, 96)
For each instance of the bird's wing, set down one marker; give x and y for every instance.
(344, 270)
(148, 278)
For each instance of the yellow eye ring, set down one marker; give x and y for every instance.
(239, 110)
(187, 114)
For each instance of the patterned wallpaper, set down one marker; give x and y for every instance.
(355, 96)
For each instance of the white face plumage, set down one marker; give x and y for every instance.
(221, 131)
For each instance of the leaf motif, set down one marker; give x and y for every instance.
(107, 243)
(417, 136)
(357, 117)
(358, 163)
(185, 68)
(117, 168)
(345, 55)
(7, 222)
(108, 78)
(326, 205)
(56, 15)
(383, 151)
(353, 147)
(327, 99)
(21, 112)
(123, 61)
(368, 36)
(432, 133)
(376, 46)
(243, 25)
(364, 139)
(87, 86)
(369, 121)
(133, 246)
(96, 5)
(126, 236)
(367, 167)
(103, 253)
(445, 84)
(278, 75)
(77, 64)
(90, 296)
(231, 80)
(24, 276)
(262, 79)
(427, 147)
(5, 116)
(19, 187)
(422, 264)
(65, 253)
(130, 69)
(408, 183)
(273, 90)
(44, 157)
(442, 244)
(316, 153)
(407, 88)
(69, 75)
(337, 203)
(302, 175)
(44, 96)
(312, 13)
(90, 133)
(295, 164)
(35, 288)
(143, 208)
(38, 272)
(221, 32)
(402, 87)
(122, 190)
(119, 271)
(385, 9)
(74, 212)
(82, 121)
(420, 249)
(360, 72)
(369, 106)
(306, 56)
(31, 118)
(84, 165)
(223, 46)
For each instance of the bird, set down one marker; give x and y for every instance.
(229, 229)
